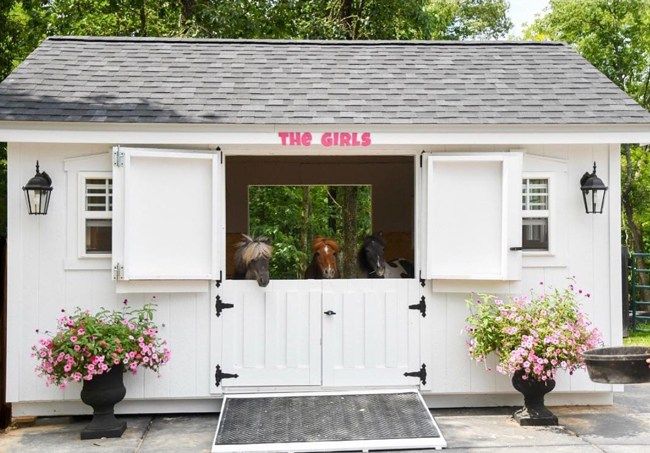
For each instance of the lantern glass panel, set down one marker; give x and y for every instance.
(37, 200)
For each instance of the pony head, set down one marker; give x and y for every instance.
(325, 253)
(252, 258)
(371, 255)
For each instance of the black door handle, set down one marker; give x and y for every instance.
(329, 313)
(515, 249)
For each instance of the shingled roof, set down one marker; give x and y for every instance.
(157, 80)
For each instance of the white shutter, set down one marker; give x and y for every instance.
(473, 216)
(167, 222)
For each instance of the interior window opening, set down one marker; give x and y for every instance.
(319, 217)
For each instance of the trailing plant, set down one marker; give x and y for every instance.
(536, 334)
(86, 345)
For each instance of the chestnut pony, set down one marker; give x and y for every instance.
(323, 263)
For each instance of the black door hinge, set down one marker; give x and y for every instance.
(221, 306)
(422, 374)
(220, 375)
(218, 281)
(422, 306)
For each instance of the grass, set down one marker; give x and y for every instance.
(639, 337)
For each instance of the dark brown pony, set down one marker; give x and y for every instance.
(323, 263)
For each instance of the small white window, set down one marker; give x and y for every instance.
(96, 214)
(535, 213)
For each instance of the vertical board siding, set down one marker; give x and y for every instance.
(271, 336)
(39, 286)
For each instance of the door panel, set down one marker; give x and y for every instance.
(372, 339)
(272, 335)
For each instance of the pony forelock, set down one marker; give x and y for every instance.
(252, 249)
(321, 242)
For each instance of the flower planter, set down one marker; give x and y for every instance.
(534, 412)
(103, 392)
(619, 365)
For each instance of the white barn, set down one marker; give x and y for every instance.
(445, 132)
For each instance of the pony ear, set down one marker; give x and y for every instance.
(247, 238)
(265, 240)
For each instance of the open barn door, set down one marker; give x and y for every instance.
(166, 220)
(472, 216)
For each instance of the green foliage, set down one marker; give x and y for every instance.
(293, 215)
(613, 35)
(86, 345)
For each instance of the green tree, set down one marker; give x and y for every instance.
(614, 35)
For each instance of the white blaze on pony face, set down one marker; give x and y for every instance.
(329, 271)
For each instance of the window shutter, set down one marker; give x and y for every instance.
(473, 216)
(167, 214)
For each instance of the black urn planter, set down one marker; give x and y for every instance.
(534, 412)
(102, 393)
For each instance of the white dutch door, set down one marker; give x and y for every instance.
(271, 336)
(370, 336)
(334, 333)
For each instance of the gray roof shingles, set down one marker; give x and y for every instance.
(140, 80)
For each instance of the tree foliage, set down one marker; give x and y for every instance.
(293, 215)
(614, 35)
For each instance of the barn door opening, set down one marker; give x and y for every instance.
(472, 216)
(167, 220)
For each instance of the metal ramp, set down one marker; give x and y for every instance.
(326, 421)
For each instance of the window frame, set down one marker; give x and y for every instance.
(547, 214)
(83, 214)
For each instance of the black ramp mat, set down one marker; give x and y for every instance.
(320, 418)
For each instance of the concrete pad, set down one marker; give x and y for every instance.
(61, 435)
(627, 422)
(496, 431)
(182, 433)
(531, 449)
(625, 448)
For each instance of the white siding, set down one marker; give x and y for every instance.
(39, 285)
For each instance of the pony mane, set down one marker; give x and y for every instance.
(250, 249)
(321, 242)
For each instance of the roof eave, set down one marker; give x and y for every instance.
(266, 134)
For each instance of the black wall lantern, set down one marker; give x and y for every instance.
(37, 192)
(593, 192)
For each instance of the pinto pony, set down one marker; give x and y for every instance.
(371, 256)
(323, 263)
(252, 259)
(374, 265)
